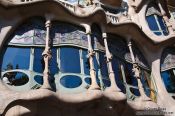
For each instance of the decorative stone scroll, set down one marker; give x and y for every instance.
(168, 59)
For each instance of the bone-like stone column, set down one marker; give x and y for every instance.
(47, 55)
(113, 86)
(91, 55)
(166, 19)
(137, 73)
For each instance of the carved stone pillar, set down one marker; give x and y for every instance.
(91, 55)
(137, 73)
(113, 86)
(166, 19)
(47, 56)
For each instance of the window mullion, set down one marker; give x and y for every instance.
(160, 29)
(81, 61)
(31, 59)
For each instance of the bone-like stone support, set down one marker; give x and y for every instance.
(91, 55)
(113, 86)
(137, 72)
(46, 57)
(166, 19)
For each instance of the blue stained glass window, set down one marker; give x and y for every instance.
(118, 75)
(39, 79)
(70, 60)
(86, 62)
(71, 81)
(15, 78)
(130, 75)
(16, 58)
(157, 24)
(161, 22)
(169, 80)
(38, 65)
(53, 66)
(152, 23)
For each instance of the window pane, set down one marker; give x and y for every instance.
(70, 60)
(53, 66)
(71, 81)
(161, 22)
(16, 58)
(152, 23)
(158, 33)
(130, 75)
(86, 62)
(15, 78)
(38, 65)
(103, 65)
(169, 80)
(118, 74)
(39, 79)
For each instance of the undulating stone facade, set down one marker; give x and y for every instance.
(87, 57)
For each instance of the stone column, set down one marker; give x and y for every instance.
(91, 55)
(166, 19)
(137, 72)
(47, 56)
(113, 86)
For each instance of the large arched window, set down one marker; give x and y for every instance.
(155, 20)
(23, 65)
(122, 65)
(18, 67)
(168, 69)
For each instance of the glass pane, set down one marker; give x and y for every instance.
(158, 33)
(103, 65)
(107, 83)
(152, 23)
(53, 66)
(70, 60)
(86, 62)
(135, 91)
(39, 79)
(130, 79)
(118, 75)
(15, 78)
(71, 81)
(38, 65)
(162, 24)
(169, 80)
(16, 58)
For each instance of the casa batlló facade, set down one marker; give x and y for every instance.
(87, 57)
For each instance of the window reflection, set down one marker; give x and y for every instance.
(86, 62)
(71, 81)
(70, 60)
(15, 78)
(39, 79)
(16, 58)
(38, 65)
